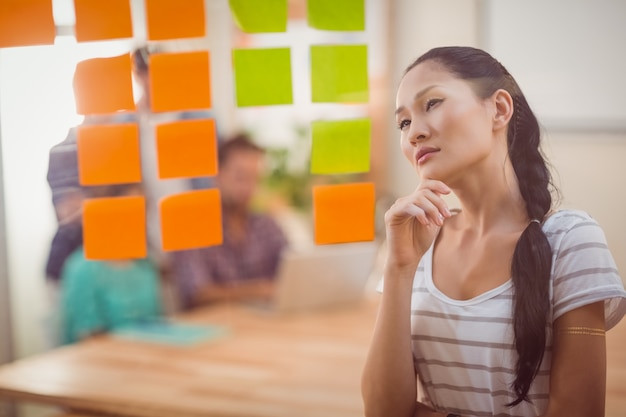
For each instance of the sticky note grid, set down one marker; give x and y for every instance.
(181, 81)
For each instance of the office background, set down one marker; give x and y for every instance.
(574, 42)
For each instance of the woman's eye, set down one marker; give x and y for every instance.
(432, 102)
(403, 124)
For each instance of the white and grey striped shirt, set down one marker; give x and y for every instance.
(463, 349)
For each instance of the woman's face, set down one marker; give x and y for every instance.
(445, 127)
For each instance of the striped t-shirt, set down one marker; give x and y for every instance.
(463, 349)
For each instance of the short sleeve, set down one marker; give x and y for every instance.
(584, 270)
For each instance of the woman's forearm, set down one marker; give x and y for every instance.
(389, 381)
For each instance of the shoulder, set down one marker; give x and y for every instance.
(79, 272)
(583, 269)
(77, 263)
(567, 227)
(566, 218)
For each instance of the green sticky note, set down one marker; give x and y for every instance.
(341, 146)
(339, 74)
(263, 76)
(336, 15)
(254, 16)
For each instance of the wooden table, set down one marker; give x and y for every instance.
(302, 365)
(308, 364)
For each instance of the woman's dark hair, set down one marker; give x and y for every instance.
(532, 258)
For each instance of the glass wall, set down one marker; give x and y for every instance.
(37, 108)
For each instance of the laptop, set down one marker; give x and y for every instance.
(321, 277)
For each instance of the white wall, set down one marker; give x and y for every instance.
(567, 56)
(6, 325)
(590, 170)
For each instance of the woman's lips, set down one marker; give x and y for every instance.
(424, 154)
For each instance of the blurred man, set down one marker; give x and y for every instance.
(244, 266)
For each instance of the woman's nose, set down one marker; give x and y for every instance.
(418, 132)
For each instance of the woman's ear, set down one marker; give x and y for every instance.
(503, 105)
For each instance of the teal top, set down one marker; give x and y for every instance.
(99, 296)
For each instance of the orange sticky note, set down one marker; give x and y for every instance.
(191, 220)
(169, 19)
(101, 20)
(180, 81)
(344, 213)
(115, 228)
(187, 149)
(104, 85)
(26, 22)
(108, 154)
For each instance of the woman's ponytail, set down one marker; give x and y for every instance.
(532, 258)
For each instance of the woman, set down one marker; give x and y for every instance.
(103, 295)
(501, 308)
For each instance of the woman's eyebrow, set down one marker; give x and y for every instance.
(417, 96)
